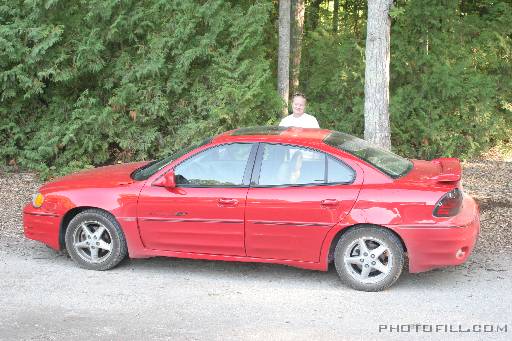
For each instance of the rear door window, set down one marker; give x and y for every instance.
(288, 165)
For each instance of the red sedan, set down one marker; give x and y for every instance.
(300, 197)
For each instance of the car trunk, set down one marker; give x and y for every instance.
(442, 171)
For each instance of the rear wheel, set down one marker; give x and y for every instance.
(369, 258)
(95, 241)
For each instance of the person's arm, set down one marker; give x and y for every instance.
(283, 122)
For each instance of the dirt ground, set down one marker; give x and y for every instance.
(44, 296)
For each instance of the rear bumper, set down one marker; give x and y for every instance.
(444, 244)
(41, 226)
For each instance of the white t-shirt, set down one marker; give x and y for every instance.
(304, 121)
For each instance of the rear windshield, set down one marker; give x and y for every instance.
(152, 167)
(393, 165)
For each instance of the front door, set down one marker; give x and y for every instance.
(298, 196)
(205, 212)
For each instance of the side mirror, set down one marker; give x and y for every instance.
(166, 181)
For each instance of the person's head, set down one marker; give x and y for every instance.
(298, 104)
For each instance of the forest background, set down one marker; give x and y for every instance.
(88, 83)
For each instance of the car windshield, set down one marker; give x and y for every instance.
(393, 165)
(154, 166)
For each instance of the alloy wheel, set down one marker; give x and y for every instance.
(368, 260)
(92, 241)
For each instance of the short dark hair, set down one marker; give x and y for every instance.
(299, 94)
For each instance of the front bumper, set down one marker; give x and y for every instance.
(41, 226)
(444, 244)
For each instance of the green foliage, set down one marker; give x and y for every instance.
(332, 75)
(92, 82)
(451, 77)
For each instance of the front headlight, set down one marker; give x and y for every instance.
(37, 200)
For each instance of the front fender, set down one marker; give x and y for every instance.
(48, 223)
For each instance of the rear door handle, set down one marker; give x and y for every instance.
(228, 202)
(329, 202)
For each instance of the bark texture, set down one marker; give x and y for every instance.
(298, 33)
(283, 63)
(376, 85)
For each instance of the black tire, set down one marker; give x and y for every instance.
(350, 260)
(95, 241)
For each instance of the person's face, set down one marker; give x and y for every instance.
(298, 105)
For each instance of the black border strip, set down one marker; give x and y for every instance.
(42, 214)
(207, 221)
(281, 223)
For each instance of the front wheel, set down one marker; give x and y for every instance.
(95, 241)
(369, 258)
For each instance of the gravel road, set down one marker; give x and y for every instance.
(44, 296)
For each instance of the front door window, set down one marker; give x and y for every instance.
(220, 166)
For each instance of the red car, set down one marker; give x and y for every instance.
(300, 197)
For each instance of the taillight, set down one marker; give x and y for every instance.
(449, 205)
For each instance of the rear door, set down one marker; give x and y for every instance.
(297, 195)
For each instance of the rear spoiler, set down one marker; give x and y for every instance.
(451, 170)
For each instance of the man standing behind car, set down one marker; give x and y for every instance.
(299, 118)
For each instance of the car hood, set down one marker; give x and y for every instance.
(108, 176)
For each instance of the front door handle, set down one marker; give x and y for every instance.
(228, 202)
(329, 203)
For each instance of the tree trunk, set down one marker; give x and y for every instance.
(356, 17)
(346, 9)
(376, 76)
(283, 62)
(298, 33)
(335, 16)
(313, 14)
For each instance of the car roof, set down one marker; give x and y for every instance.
(275, 134)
